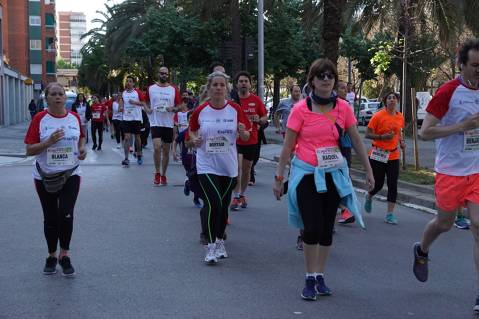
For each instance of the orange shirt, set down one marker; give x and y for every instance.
(383, 122)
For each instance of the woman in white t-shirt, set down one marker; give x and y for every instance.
(116, 119)
(56, 139)
(82, 108)
(214, 127)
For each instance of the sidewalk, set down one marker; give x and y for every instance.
(411, 195)
(12, 148)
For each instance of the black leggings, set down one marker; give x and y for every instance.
(389, 170)
(318, 210)
(58, 212)
(97, 126)
(118, 131)
(217, 196)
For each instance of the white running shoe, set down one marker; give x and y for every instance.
(210, 257)
(220, 249)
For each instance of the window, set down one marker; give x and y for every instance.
(35, 21)
(35, 44)
(49, 2)
(50, 44)
(49, 20)
(50, 67)
(35, 69)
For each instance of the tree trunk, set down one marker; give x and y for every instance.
(235, 37)
(332, 28)
(277, 88)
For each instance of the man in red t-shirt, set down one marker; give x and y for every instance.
(255, 110)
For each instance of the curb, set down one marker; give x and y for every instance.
(410, 195)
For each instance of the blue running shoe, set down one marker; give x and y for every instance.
(309, 291)
(321, 287)
(368, 204)
(391, 219)
(461, 222)
(139, 160)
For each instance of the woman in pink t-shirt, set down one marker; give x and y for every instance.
(313, 133)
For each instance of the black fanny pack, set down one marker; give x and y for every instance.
(54, 182)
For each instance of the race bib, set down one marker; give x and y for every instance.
(329, 157)
(60, 156)
(96, 115)
(129, 110)
(471, 140)
(379, 155)
(161, 107)
(218, 144)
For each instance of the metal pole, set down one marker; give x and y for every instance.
(414, 129)
(260, 50)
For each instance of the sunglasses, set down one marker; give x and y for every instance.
(325, 76)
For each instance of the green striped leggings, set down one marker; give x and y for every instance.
(217, 196)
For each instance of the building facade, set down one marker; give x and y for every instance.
(72, 25)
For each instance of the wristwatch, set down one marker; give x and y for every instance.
(278, 178)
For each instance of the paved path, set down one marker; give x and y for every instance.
(136, 251)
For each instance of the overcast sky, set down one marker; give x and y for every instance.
(89, 7)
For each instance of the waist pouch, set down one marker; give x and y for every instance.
(54, 182)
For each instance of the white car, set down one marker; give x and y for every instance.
(366, 111)
(423, 99)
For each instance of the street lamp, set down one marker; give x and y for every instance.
(260, 49)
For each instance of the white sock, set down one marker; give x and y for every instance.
(310, 274)
(237, 195)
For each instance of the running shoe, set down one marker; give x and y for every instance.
(67, 267)
(220, 249)
(390, 219)
(321, 287)
(235, 203)
(134, 154)
(50, 266)
(94, 147)
(210, 257)
(139, 160)
(476, 306)
(99, 148)
(186, 188)
(118, 146)
(299, 243)
(157, 179)
(309, 290)
(243, 202)
(420, 267)
(346, 217)
(368, 204)
(461, 222)
(164, 181)
(125, 163)
(197, 203)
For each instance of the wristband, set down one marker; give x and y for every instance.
(278, 178)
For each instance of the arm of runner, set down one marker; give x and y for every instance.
(373, 136)
(195, 139)
(120, 104)
(288, 145)
(81, 149)
(243, 133)
(362, 154)
(37, 148)
(430, 130)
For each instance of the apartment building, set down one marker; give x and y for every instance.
(72, 25)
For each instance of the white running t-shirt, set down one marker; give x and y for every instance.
(161, 97)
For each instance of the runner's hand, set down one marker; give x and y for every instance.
(170, 109)
(198, 141)
(387, 136)
(471, 123)
(55, 137)
(241, 128)
(135, 102)
(278, 189)
(81, 153)
(370, 181)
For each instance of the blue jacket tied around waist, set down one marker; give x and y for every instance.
(341, 180)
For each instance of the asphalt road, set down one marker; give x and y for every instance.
(137, 255)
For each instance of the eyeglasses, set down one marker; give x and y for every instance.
(325, 76)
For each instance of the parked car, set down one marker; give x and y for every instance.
(71, 97)
(366, 111)
(423, 99)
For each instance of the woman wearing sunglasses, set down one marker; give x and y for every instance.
(319, 180)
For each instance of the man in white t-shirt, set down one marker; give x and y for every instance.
(452, 120)
(350, 96)
(163, 100)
